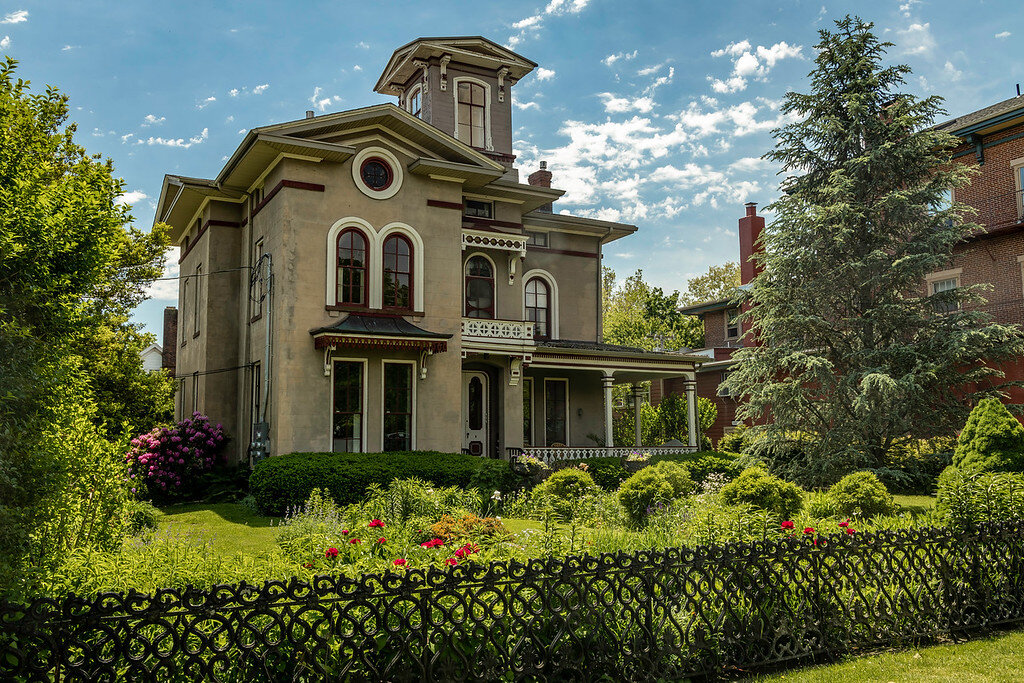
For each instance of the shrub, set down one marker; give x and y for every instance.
(142, 516)
(966, 499)
(404, 499)
(566, 490)
(991, 441)
(735, 441)
(608, 473)
(678, 476)
(642, 492)
(495, 475)
(287, 480)
(756, 487)
(863, 493)
(170, 461)
(485, 531)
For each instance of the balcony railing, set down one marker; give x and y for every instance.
(550, 455)
(497, 331)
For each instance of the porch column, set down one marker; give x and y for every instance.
(636, 416)
(691, 412)
(606, 382)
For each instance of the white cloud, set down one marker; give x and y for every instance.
(916, 39)
(131, 197)
(152, 120)
(749, 62)
(951, 72)
(534, 22)
(229, 119)
(126, 137)
(357, 68)
(233, 92)
(528, 22)
(617, 105)
(260, 89)
(5, 42)
(176, 142)
(322, 103)
(67, 48)
(243, 131)
(750, 164)
(625, 255)
(362, 45)
(206, 103)
(1003, 35)
(651, 70)
(611, 59)
(167, 290)
(545, 74)
(907, 6)
(566, 6)
(16, 17)
(525, 105)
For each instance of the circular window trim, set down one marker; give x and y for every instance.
(387, 169)
(389, 160)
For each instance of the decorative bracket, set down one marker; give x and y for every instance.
(401, 96)
(424, 354)
(502, 72)
(444, 71)
(512, 260)
(515, 370)
(327, 360)
(419, 63)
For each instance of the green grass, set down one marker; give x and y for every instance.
(915, 504)
(230, 527)
(997, 658)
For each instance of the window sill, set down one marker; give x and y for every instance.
(374, 311)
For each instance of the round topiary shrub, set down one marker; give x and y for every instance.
(755, 486)
(169, 461)
(862, 494)
(569, 482)
(642, 492)
(991, 441)
(678, 476)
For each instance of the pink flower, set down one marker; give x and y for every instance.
(331, 554)
(344, 532)
(354, 540)
(809, 530)
(376, 523)
(787, 525)
(451, 562)
(850, 532)
(382, 541)
(400, 562)
(844, 524)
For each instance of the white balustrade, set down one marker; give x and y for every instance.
(550, 455)
(513, 331)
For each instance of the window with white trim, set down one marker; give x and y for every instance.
(472, 114)
(398, 406)
(414, 103)
(732, 323)
(945, 285)
(196, 300)
(479, 288)
(536, 239)
(1018, 179)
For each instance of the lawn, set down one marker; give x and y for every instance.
(916, 504)
(999, 657)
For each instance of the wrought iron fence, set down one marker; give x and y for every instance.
(629, 616)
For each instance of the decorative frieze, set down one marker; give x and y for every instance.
(487, 240)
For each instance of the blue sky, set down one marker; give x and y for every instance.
(653, 113)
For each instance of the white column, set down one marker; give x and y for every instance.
(691, 412)
(606, 382)
(636, 416)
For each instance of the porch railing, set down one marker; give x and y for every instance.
(508, 331)
(550, 455)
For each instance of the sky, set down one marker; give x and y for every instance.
(650, 113)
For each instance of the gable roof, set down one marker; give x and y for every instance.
(1001, 115)
(473, 50)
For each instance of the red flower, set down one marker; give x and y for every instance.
(809, 530)
(787, 525)
(344, 532)
(382, 541)
(850, 531)
(331, 553)
(376, 523)
(354, 540)
(465, 551)
(308, 565)
(844, 524)
(451, 562)
(400, 562)
(432, 543)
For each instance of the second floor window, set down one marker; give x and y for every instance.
(478, 209)
(397, 285)
(732, 323)
(946, 285)
(537, 239)
(479, 288)
(472, 110)
(415, 102)
(352, 264)
(538, 307)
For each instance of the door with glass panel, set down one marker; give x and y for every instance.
(475, 413)
(347, 417)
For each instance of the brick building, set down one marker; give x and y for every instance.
(992, 138)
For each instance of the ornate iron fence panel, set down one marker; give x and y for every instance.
(633, 616)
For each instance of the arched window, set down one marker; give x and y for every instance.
(415, 101)
(353, 260)
(479, 288)
(397, 280)
(472, 114)
(538, 307)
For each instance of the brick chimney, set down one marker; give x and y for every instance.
(170, 340)
(751, 226)
(541, 178)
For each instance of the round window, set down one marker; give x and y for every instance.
(376, 173)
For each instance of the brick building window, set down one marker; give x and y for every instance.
(1018, 179)
(732, 323)
(945, 285)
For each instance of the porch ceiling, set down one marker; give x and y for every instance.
(624, 363)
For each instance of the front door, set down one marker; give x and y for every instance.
(475, 413)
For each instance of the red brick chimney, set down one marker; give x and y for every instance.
(170, 340)
(541, 178)
(751, 226)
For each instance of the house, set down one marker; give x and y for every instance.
(992, 138)
(152, 358)
(380, 279)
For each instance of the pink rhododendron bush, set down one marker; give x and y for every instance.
(167, 462)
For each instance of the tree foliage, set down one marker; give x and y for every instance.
(991, 441)
(71, 269)
(855, 352)
(718, 282)
(637, 314)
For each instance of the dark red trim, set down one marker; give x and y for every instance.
(564, 252)
(411, 273)
(245, 222)
(294, 184)
(326, 340)
(438, 204)
(365, 267)
(202, 231)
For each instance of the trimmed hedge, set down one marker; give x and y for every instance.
(283, 481)
(608, 473)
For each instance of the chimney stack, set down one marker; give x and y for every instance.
(751, 226)
(170, 340)
(541, 178)
(310, 113)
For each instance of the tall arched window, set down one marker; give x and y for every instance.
(415, 101)
(397, 284)
(479, 288)
(538, 307)
(472, 114)
(353, 260)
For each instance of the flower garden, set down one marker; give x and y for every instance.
(681, 565)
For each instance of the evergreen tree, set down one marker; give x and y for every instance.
(854, 352)
(992, 440)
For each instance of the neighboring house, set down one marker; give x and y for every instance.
(152, 358)
(993, 138)
(379, 279)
